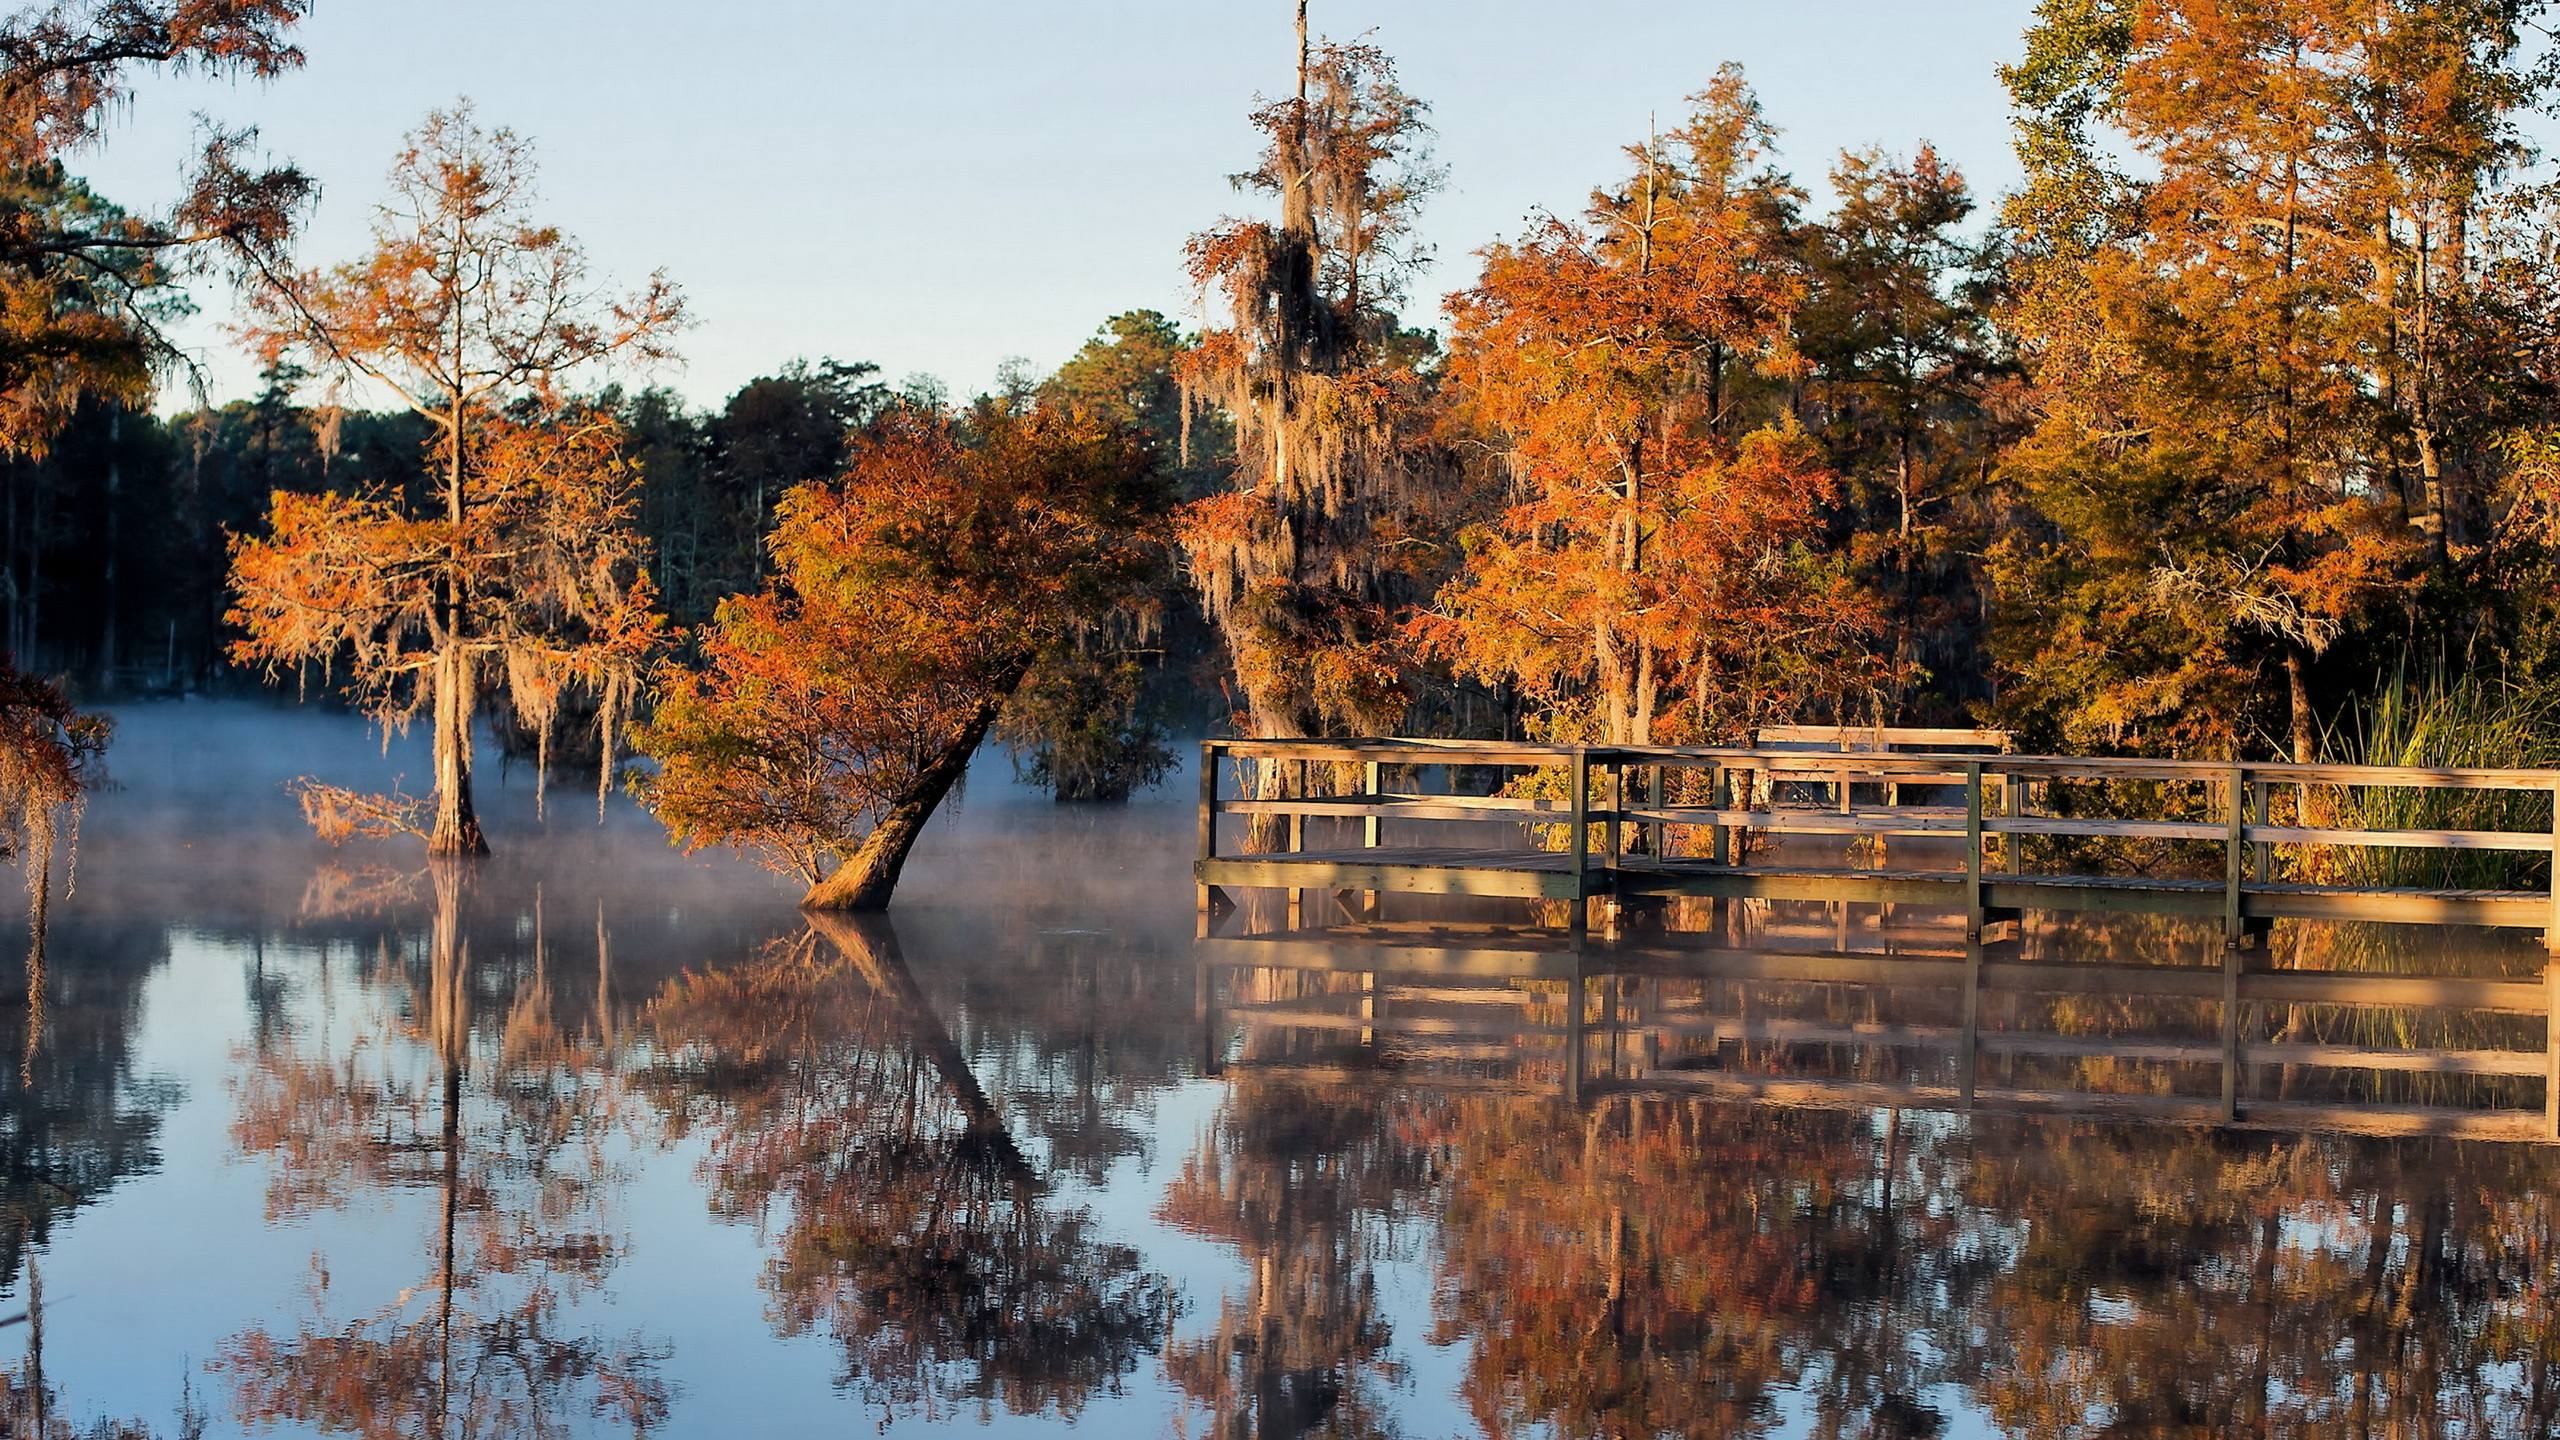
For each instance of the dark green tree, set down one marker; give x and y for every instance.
(1900, 356)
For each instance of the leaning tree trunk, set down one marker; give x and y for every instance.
(457, 827)
(866, 878)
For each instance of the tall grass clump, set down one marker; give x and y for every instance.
(2468, 721)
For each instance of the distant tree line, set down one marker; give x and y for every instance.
(117, 572)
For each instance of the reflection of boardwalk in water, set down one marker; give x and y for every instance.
(1916, 1016)
(1974, 884)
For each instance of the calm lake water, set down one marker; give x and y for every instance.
(610, 1141)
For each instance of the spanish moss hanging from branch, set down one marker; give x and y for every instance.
(1297, 560)
(51, 755)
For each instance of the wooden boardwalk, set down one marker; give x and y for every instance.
(1620, 831)
(1951, 839)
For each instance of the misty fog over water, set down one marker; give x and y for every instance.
(604, 1140)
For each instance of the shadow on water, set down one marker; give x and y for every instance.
(603, 1140)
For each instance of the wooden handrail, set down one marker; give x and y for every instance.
(1879, 737)
(1899, 820)
(1880, 764)
(1838, 771)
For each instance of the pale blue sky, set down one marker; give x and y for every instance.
(937, 186)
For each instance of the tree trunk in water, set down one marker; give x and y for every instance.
(1276, 711)
(865, 880)
(2298, 693)
(1265, 834)
(457, 828)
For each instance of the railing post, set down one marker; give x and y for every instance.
(1296, 830)
(1968, 1044)
(1298, 819)
(2551, 932)
(1372, 832)
(1208, 799)
(1579, 916)
(2234, 852)
(2013, 806)
(1654, 830)
(2265, 851)
(1748, 778)
(1973, 847)
(1720, 797)
(1613, 839)
(2234, 951)
(1208, 825)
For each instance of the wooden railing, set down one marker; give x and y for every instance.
(1618, 821)
(1638, 824)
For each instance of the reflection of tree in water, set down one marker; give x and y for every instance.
(1658, 1268)
(1075, 1031)
(31, 1409)
(1306, 1185)
(916, 1234)
(1668, 1267)
(74, 1118)
(2167, 1283)
(510, 1132)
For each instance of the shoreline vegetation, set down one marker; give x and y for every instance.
(2240, 412)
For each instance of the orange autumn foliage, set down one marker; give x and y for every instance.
(838, 705)
(51, 755)
(2250, 291)
(85, 293)
(87, 289)
(1653, 570)
(1734, 619)
(467, 310)
(537, 587)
